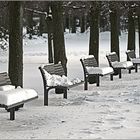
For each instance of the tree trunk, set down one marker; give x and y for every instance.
(15, 43)
(73, 24)
(41, 25)
(30, 23)
(94, 36)
(139, 30)
(82, 23)
(70, 22)
(50, 37)
(94, 31)
(131, 31)
(114, 30)
(67, 22)
(58, 35)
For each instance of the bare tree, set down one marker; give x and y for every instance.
(139, 26)
(94, 35)
(94, 30)
(58, 34)
(131, 28)
(15, 43)
(114, 28)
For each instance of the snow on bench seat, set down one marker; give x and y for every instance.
(53, 76)
(92, 72)
(135, 60)
(125, 64)
(132, 57)
(6, 87)
(98, 70)
(15, 96)
(57, 80)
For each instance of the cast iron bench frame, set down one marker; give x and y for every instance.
(56, 69)
(117, 71)
(131, 55)
(90, 62)
(5, 80)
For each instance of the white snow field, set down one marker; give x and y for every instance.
(111, 111)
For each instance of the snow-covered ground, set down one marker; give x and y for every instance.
(108, 111)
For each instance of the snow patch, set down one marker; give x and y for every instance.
(98, 70)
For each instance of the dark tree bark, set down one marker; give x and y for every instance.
(82, 23)
(15, 43)
(131, 31)
(94, 31)
(41, 25)
(67, 22)
(58, 34)
(50, 38)
(114, 29)
(29, 23)
(50, 33)
(139, 29)
(70, 22)
(73, 24)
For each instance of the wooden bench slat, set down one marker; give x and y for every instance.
(4, 79)
(90, 61)
(131, 54)
(56, 69)
(112, 57)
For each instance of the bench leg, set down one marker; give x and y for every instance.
(111, 77)
(98, 80)
(46, 97)
(65, 94)
(86, 84)
(120, 74)
(136, 68)
(129, 71)
(12, 114)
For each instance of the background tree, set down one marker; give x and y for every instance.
(58, 34)
(131, 28)
(50, 38)
(114, 28)
(15, 43)
(94, 35)
(94, 30)
(73, 25)
(138, 11)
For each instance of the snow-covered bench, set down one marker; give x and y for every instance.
(117, 65)
(92, 71)
(54, 78)
(12, 98)
(132, 57)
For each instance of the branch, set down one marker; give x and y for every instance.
(36, 11)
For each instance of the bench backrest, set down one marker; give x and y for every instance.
(88, 62)
(112, 57)
(4, 79)
(131, 54)
(56, 69)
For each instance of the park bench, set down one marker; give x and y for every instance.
(92, 72)
(12, 98)
(132, 57)
(52, 70)
(117, 65)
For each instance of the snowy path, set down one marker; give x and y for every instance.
(109, 111)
